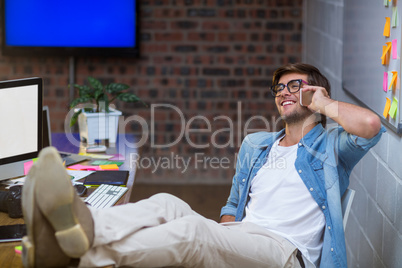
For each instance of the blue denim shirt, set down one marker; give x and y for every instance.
(325, 159)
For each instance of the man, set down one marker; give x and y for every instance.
(283, 210)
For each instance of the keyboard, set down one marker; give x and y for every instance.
(64, 155)
(105, 196)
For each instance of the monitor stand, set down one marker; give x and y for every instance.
(12, 170)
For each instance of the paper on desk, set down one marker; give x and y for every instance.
(106, 162)
(13, 182)
(83, 167)
(117, 157)
(79, 174)
(97, 156)
(109, 167)
(94, 168)
(28, 165)
(76, 174)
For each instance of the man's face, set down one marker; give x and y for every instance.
(288, 104)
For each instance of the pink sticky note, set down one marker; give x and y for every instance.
(27, 166)
(385, 82)
(82, 167)
(394, 49)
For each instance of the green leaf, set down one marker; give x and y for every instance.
(128, 97)
(83, 90)
(99, 95)
(116, 87)
(80, 100)
(74, 118)
(95, 83)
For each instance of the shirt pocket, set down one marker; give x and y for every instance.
(317, 164)
(318, 169)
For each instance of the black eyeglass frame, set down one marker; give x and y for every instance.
(275, 93)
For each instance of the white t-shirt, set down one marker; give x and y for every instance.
(281, 203)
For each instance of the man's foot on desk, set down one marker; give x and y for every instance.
(59, 225)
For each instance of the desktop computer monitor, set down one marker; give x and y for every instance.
(21, 124)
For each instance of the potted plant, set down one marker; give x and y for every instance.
(97, 120)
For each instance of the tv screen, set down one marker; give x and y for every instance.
(71, 28)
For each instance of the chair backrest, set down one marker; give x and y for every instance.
(346, 202)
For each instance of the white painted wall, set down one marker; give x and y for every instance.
(374, 230)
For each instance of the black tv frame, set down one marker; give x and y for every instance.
(133, 52)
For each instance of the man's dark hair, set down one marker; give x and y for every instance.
(314, 78)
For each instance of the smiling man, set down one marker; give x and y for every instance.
(284, 208)
(301, 202)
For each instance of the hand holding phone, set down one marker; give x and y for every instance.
(306, 97)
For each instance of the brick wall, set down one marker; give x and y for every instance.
(374, 230)
(205, 67)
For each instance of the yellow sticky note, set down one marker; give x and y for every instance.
(394, 108)
(109, 167)
(387, 107)
(18, 249)
(386, 53)
(387, 27)
(393, 81)
(383, 57)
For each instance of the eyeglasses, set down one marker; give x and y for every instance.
(293, 87)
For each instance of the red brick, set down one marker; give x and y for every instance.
(207, 37)
(216, 25)
(179, 56)
(232, 37)
(154, 25)
(177, 36)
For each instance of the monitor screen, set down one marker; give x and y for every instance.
(21, 123)
(74, 27)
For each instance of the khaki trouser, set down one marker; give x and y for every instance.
(164, 231)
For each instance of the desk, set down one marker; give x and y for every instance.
(125, 145)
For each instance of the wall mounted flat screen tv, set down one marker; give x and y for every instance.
(70, 28)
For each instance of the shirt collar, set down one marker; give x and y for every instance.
(312, 135)
(307, 140)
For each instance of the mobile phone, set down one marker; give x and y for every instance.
(306, 97)
(10, 233)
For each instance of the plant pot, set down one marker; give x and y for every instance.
(99, 126)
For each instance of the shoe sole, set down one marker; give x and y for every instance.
(28, 252)
(56, 205)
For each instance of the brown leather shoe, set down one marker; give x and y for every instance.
(59, 225)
